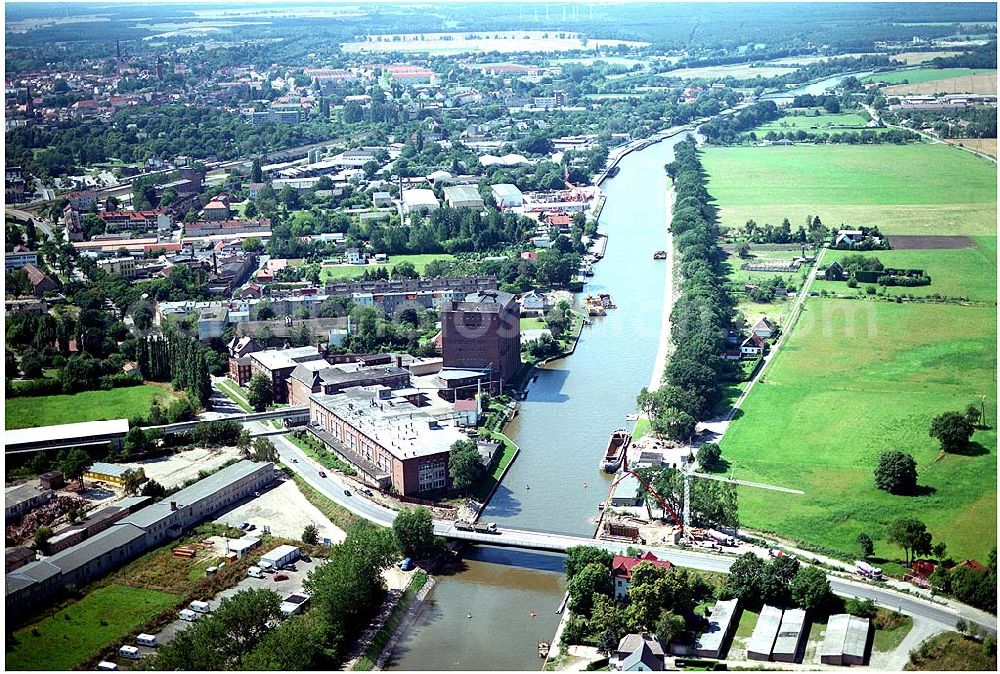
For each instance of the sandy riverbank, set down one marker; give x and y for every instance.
(664, 348)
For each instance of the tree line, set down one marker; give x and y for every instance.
(703, 312)
(181, 361)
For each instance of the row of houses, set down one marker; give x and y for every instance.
(133, 535)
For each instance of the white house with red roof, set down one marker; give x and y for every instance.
(621, 570)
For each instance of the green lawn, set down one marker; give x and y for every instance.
(233, 392)
(119, 403)
(532, 324)
(74, 634)
(917, 188)
(954, 272)
(348, 271)
(483, 488)
(854, 379)
(919, 75)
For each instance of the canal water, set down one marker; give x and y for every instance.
(574, 404)
(562, 429)
(816, 88)
(512, 597)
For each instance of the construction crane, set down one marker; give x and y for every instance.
(690, 473)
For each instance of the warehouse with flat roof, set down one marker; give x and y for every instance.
(790, 641)
(137, 533)
(846, 640)
(710, 643)
(419, 199)
(61, 436)
(463, 196)
(764, 634)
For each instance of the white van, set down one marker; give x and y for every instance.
(106, 666)
(146, 640)
(255, 572)
(130, 652)
(189, 615)
(200, 607)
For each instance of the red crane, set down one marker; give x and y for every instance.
(649, 488)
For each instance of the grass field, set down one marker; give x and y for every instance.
(951, 651)
(891, 186)
(890, 630)
(234, 393)
(75, 633)
(810, 123)
(348, 271)
(119, 403)
(919, 75)
(954, 272)
(855, 379)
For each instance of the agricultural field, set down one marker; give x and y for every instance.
(912, 58)
(921, 75)
(984, 145)
(885, 185)
(119, 403)
(954, 272)
(983, 82)
(854, 379)
(350, 271)
(72, 635)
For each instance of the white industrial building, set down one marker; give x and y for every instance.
(507, 196)
(419, 199)
(463, 196)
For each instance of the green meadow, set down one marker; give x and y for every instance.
(919, 75)
(917, 188)
(856, 378)
(955, 272)
(69, 637)
(119, 403)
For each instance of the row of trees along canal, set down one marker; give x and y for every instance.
(692, 387)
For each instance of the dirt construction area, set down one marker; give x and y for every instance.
(285, 510)
(175, 469)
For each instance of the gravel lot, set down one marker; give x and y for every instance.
(285, 510)
(175, 469)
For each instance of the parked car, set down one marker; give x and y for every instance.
(322, 474)
(367, 492)
(294, 460)
(289, 567)
(347, 492)
(251, 527)
(245, 526)
(280, 576)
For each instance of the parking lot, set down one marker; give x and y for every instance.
(282, 587)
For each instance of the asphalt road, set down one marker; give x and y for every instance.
(333, 486)
(43, 226)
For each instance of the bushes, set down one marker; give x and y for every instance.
(48, 386)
